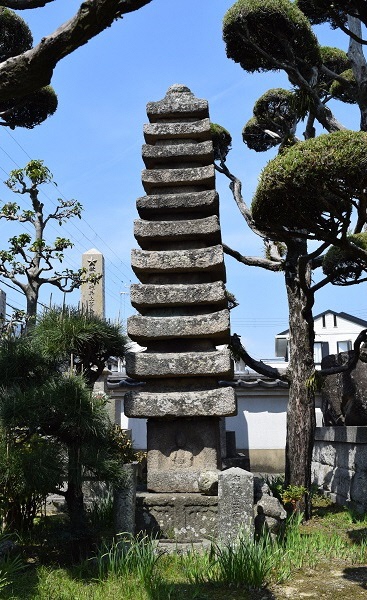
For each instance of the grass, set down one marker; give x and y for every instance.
(132, 568)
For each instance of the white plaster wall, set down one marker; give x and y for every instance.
(139, 431)
(259, 425)
(260, 422)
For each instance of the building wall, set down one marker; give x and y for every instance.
(330, 328)
(260, 424)
(343, 331)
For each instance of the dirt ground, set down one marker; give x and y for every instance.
(331, 581)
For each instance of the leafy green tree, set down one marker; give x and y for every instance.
(55, 411)
(30, 467)
(26, 98)
(29, 260)
(314, 189)
(80, 339)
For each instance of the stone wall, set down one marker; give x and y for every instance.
(339, 464)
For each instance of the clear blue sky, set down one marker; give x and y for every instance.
(93, 147)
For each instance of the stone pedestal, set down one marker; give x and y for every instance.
(179, 517)
(179, 450)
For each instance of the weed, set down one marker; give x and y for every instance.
(199, 567)
(125, 557)
(100, 513)
(275, 484)
(10, 566)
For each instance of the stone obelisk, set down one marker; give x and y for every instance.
(93, 294)
(181, 299)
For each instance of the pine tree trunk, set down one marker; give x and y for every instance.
(74, 495)
(301, 404)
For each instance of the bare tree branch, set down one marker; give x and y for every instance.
(257, 365)
(236, 189)
(27, 72)
(253, 261)
(24, 4)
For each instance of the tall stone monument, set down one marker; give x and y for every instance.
(93, 294)
(181, 300)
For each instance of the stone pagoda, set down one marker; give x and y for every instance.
(181, 300)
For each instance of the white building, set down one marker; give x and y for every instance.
(334, 333)
(260, 424)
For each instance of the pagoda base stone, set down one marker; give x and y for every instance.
(180, 517)
(179, 450)
(210, 403)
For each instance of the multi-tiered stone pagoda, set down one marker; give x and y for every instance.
(181, 300)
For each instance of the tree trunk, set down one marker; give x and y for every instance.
(301, 404)
(75, 502)
(31, 306)
(32, 301)
(359, 67)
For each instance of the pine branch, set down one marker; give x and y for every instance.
(253, 261)
(256, 365)
(33, 69)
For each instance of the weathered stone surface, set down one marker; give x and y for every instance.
(93, 294)
(208, 483)
(179, 516)
(160, 178)
(203, 202)
(179, 450)
(178, 261)
(354, 435)
(344, 395)
(190, 152)
(235, 504)
(211, 403)
(124, 501)
(271, 507)
(145, 365)
(159, 480)
(195, 130)
(211, 326)
(181, 261)
(144, 296)
(358, 488)
(206, 229)
(339, 464)
(178, 102)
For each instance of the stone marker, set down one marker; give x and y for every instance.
(93, 294)
(235, 504)
(181, 300)
(124, 500)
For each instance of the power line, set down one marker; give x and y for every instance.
(64, 197)
(115, 277)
